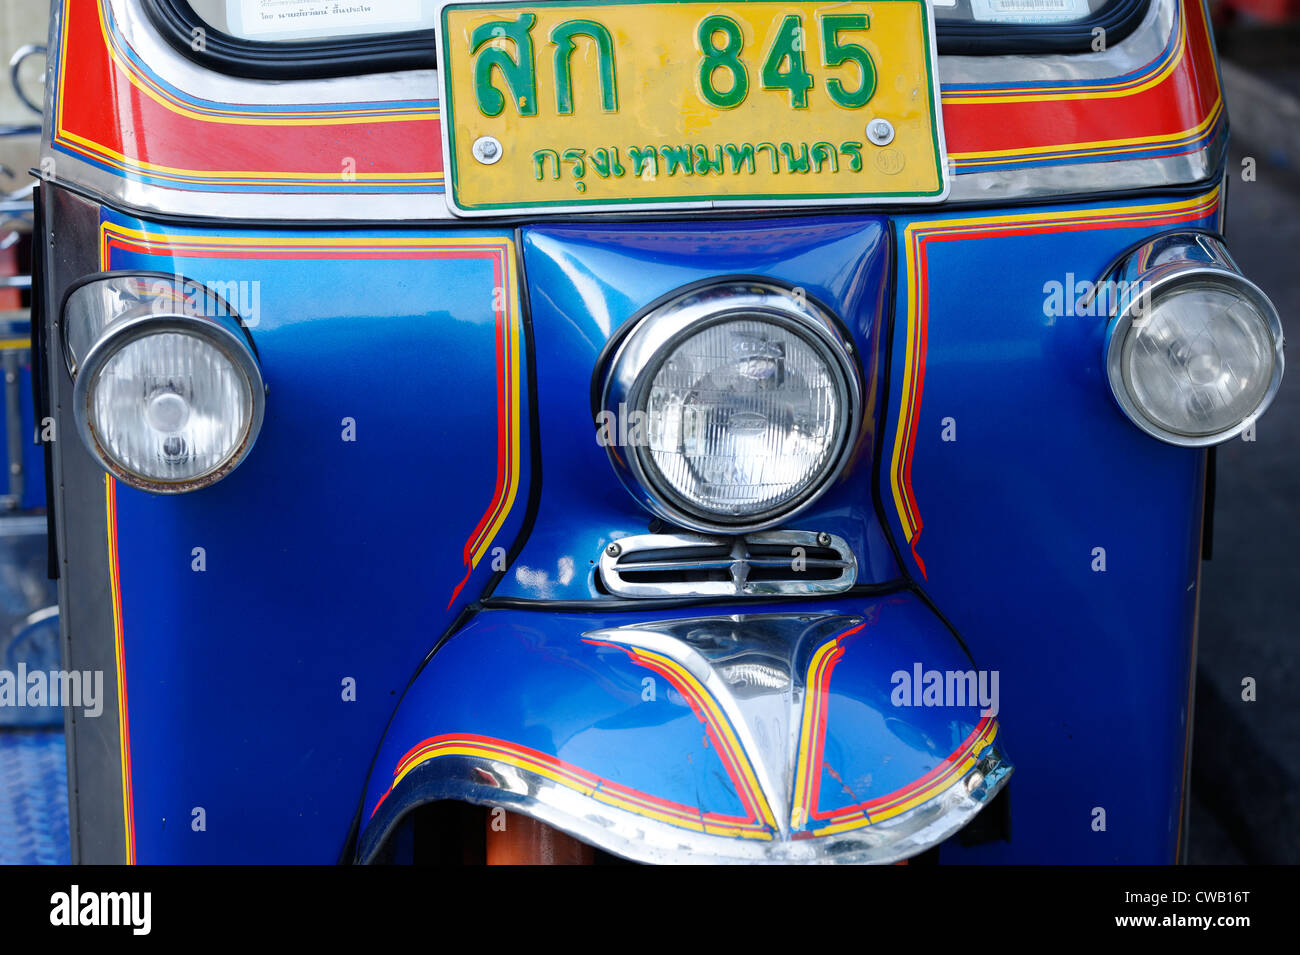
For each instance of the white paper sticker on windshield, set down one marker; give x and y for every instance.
(1028, 11)
(268, 19)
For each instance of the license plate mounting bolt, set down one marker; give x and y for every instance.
(487, 149)
(880, 132)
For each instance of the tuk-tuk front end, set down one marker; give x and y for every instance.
(533, 436)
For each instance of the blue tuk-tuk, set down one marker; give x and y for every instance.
(667, 431)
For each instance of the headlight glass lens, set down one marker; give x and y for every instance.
(1200, 362)
(743, 417)
(170, 406)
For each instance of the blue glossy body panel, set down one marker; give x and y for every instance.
(1040, 469)
(326, 560)
(585, 282)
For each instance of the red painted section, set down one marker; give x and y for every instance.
(1176, 104)
(100, 103)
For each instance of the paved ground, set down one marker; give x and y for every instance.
(33, 797)
(1246, 761)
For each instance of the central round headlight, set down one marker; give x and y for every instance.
(742, 417)
(741, 400)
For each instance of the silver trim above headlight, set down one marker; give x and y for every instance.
(1142, 286)
(652, 342)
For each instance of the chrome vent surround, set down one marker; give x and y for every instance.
(752, 565)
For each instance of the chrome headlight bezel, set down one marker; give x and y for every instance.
(1153, 271)
(655, 335)
(91, 339)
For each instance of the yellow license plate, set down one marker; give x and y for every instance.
(567, 105)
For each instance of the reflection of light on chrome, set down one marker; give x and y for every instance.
(974, 781)
(510, 779)
(755, 674)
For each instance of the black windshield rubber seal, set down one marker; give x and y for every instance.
(315, 59)
(1115, 21)
(417, 49)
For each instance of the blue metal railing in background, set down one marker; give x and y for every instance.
(33, 761)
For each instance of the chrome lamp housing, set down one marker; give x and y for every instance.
(745, 400)
(1193, 351)
(167, 389)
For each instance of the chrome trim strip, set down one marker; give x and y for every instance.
(146, 199)
(487, 782)
(1093, 179)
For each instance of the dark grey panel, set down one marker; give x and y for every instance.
(85, 596)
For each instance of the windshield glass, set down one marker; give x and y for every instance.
(306, 20)
(1015, 11)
